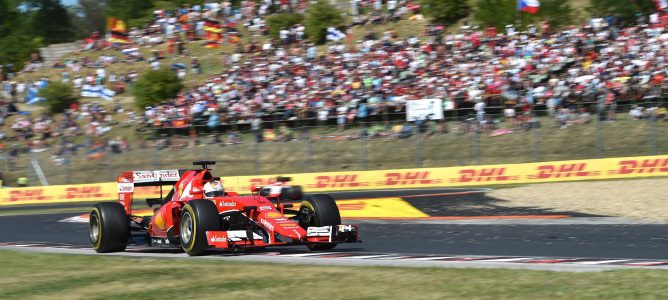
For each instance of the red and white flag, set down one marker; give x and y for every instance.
(532, 6)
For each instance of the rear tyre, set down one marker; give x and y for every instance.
(198, 217)
(109, 227)
(320, 210)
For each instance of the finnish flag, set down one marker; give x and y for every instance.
(97, 92)
(32, 97)
(334, 34)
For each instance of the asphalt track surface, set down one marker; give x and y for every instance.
(477, 232)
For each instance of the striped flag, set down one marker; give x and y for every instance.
(118, 32)
(214, 26)
(211, 44)
(529, 6)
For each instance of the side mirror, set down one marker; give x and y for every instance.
(254, 189)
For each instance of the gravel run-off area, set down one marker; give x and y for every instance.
(643, 199)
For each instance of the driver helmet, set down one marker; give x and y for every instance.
(214, 189)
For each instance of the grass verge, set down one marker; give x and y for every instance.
(57, 276)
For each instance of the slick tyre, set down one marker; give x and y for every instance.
(198, 217)
(321, 210)
(109, 227)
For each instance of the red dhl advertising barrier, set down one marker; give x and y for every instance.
(608, 168)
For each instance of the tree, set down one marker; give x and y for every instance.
(625, 9)
(499, 13)
(93, 15)
(279, 21)
(15, 43)
(319, 17)
(58, 96)
(50, 21)
(156, 86)
(446, 11)
(133, 12)
(16, 49)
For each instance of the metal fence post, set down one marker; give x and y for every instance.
(156, 158)
(418, 146)
(653, 137)
(599, 137)
(205, 146)
(256, 155)
(110, 172)
(535, 136)
(66, 163)
(476, 145)
(309, 151)
(364, 134)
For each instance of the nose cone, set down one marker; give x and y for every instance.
(283, 227)
(295, 233)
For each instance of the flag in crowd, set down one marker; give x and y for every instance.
(529, 6)
(130, 51)
(234, 38)
(211, 44)
(661, 4)
(97, 92)
(31, 97)
(334, 34)
(118, 32)
(213, 30)
(212, 25)
(33, 91)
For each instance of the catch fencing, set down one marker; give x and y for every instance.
(388, 143)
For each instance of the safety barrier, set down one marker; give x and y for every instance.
(591, 169)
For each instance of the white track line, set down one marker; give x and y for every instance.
(646, 263)
(308, 254)
(367, 256)
(414, 190)
(507, 259)
(434, 258)
(601, 262)
(77, 219)
(391, 257)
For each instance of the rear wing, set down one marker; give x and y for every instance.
(129, 180)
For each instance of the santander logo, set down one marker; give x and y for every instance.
(143, 176)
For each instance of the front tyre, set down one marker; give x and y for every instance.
(198, 217)
(320, 210)
(109, 227)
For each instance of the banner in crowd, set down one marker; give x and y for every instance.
(95, 91)
(608, 168)
(431, 109)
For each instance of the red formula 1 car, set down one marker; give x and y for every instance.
(197, 214)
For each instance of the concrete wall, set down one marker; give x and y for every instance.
(55, 51)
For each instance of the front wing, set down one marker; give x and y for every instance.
(241, 239)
